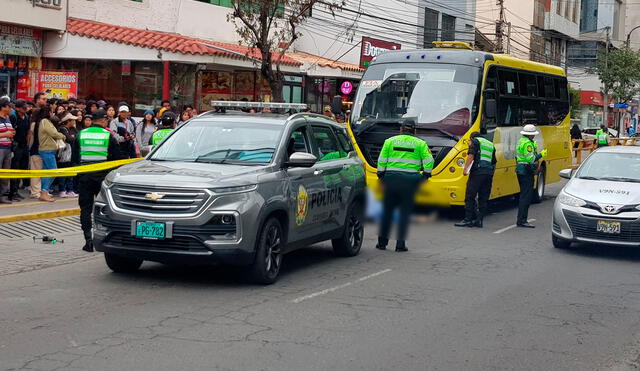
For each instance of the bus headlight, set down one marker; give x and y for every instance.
(460, 162)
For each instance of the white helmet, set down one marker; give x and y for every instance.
(529, 129)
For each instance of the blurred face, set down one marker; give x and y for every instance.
(5, 110)
(148, 117)
(123, 114)
(29, 108)
(71, 123)
(111, 112)
(87, 122)
(21, 110)
(59, 109)
(94, 107)
(192, 113)
(185, 116)
(42, 101)
(166, 105)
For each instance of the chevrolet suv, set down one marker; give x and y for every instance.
(233, 188)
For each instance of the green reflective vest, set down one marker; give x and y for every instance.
(159, 136)
(405, 153)
(601, 137)
(527, 151)
(485, 153)
(94, 144)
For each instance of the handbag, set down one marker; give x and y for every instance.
(64, 154)
(61, 144)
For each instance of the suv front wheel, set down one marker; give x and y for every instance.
(121, 264)
(350, 242)
(266, 266)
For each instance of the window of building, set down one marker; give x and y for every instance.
(430, 27)
(448, 27)
(225, 3)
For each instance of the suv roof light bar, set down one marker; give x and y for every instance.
(243, 104)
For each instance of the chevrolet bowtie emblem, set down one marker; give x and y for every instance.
(154, 196)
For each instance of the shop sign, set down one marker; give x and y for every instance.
(371, 48)
(61, 85)
(50, 4)
(17, 40)
(346, 87)
(324, 87)
(126, 68)
(22, 87)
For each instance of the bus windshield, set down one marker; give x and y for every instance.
(439, 96)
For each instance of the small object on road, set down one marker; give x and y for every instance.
(49, 239)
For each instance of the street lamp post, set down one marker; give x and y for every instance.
(629, 36)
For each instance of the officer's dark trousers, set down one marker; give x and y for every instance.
(88, 188)
(526, 193)
(399, 193)
(478, 185)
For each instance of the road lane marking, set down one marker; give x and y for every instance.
(511, 227)
(332, 289)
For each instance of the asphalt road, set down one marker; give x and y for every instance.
(461, 299)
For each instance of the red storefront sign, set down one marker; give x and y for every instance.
(370, 48)
(61, 85)
(591, 98)
(22, 87)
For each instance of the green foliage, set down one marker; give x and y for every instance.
(620, 74)
(270, 26)
(574, 96)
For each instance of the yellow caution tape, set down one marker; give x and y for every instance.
(64, 172)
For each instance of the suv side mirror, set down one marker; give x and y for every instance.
(566, 173)
(301, 159)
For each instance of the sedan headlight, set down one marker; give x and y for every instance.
(569, 200)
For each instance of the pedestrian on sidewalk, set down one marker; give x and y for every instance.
(6, 142)
(48, 150)
(68, 129)
(479, 166)
(20, 161)
(145, 129)
(35, 161)
(93, 145)
(123, 131)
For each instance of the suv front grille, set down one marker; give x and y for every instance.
(158, 200)
(586, 227)
(183, 243)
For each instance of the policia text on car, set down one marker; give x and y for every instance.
(404, 162)
(480, 165)
(94, 144)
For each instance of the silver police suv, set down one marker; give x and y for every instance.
(601, 202)
(234, 188)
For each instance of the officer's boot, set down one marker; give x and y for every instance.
(382, 243)
(88, 244)
(400, 246)
(478, 222)
(465, 223)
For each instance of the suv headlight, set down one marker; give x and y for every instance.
(569, 200)
(238, 189)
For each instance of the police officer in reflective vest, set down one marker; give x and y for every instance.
(168, 121)
(480, 164)
(404, 162)
(527, 157)
(601, 136)
(93, 144)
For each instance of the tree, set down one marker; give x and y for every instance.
(619, 72)
(271, 27)
(574, 96)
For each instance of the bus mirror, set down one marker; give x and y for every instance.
(490, 109)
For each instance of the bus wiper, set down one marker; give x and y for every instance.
(448, 134)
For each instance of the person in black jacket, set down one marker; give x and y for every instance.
(576, 134)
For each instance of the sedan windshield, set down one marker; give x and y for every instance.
(621, 167)
(444, 96)
(221, 142)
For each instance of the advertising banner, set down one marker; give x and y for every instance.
(61, 85)
(370, 48)
(16, 40)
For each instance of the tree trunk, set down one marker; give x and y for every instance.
(276, 90)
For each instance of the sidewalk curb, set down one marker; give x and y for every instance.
(39, 215)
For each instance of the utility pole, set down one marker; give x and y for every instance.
(509, 38)
(500, 28)
(605, 97)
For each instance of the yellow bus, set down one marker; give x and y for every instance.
(451, 91)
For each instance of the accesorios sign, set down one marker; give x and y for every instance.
(61, 85)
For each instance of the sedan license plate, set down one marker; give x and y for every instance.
(608, 227)
(150, 230)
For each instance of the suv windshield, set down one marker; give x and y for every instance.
(221, 142)
(622, 167)
(444, 96)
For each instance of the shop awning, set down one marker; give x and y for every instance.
(315, 65)
(591, 98)
(163, 41)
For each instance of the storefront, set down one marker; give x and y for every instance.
(22, 26)
(181, 69)
(591, 109)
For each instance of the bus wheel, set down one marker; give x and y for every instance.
(538, 196)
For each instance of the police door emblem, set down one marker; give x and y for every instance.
(302, 205)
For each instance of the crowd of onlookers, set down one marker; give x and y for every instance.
(40, 134)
